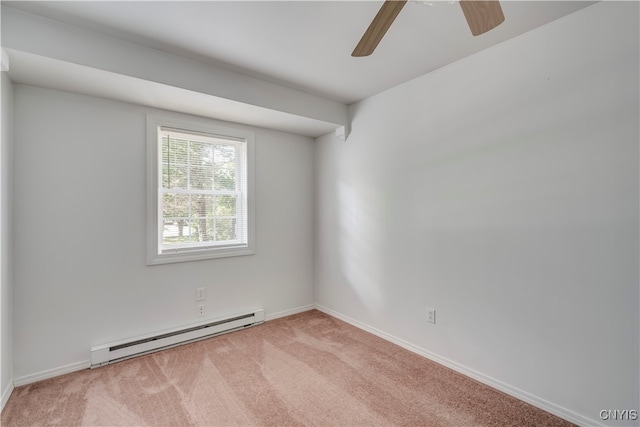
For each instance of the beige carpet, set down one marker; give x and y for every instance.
(306, 369)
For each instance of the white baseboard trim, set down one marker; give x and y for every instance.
(289, 312)
(50, 373)
(86, 364)
(6, 393)
(464, 370)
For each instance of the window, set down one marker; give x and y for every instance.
(199, 197)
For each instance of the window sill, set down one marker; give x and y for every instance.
(198, 255)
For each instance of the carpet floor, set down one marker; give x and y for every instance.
(307, 369)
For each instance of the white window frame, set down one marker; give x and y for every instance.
(197, 251)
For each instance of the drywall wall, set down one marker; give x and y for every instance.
(501, 190)
(80, 275)
(6, 231)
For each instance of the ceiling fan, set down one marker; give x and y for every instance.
(481, 16)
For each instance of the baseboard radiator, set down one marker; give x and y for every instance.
(117, 351)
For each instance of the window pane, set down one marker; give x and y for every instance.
(178, 232)
(174, 176)
(174, 163)
(174, 151)
(201, 178)
(225, 206)
(194, 233)
(224, 153)
(200, 153)
(225, 167)
(175, 205)
(168, 205)
(202, 205)
(225, 229)
(165, 176)
(204, 229)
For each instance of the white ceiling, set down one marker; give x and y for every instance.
(305, 45)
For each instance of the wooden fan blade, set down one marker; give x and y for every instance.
(378, 27)
(483, 15)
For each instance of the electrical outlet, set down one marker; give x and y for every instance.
(200, 294)
(431, 315)
(200, 308)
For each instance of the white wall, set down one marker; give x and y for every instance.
(6, 231)
(79, 272)
(501, 190)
